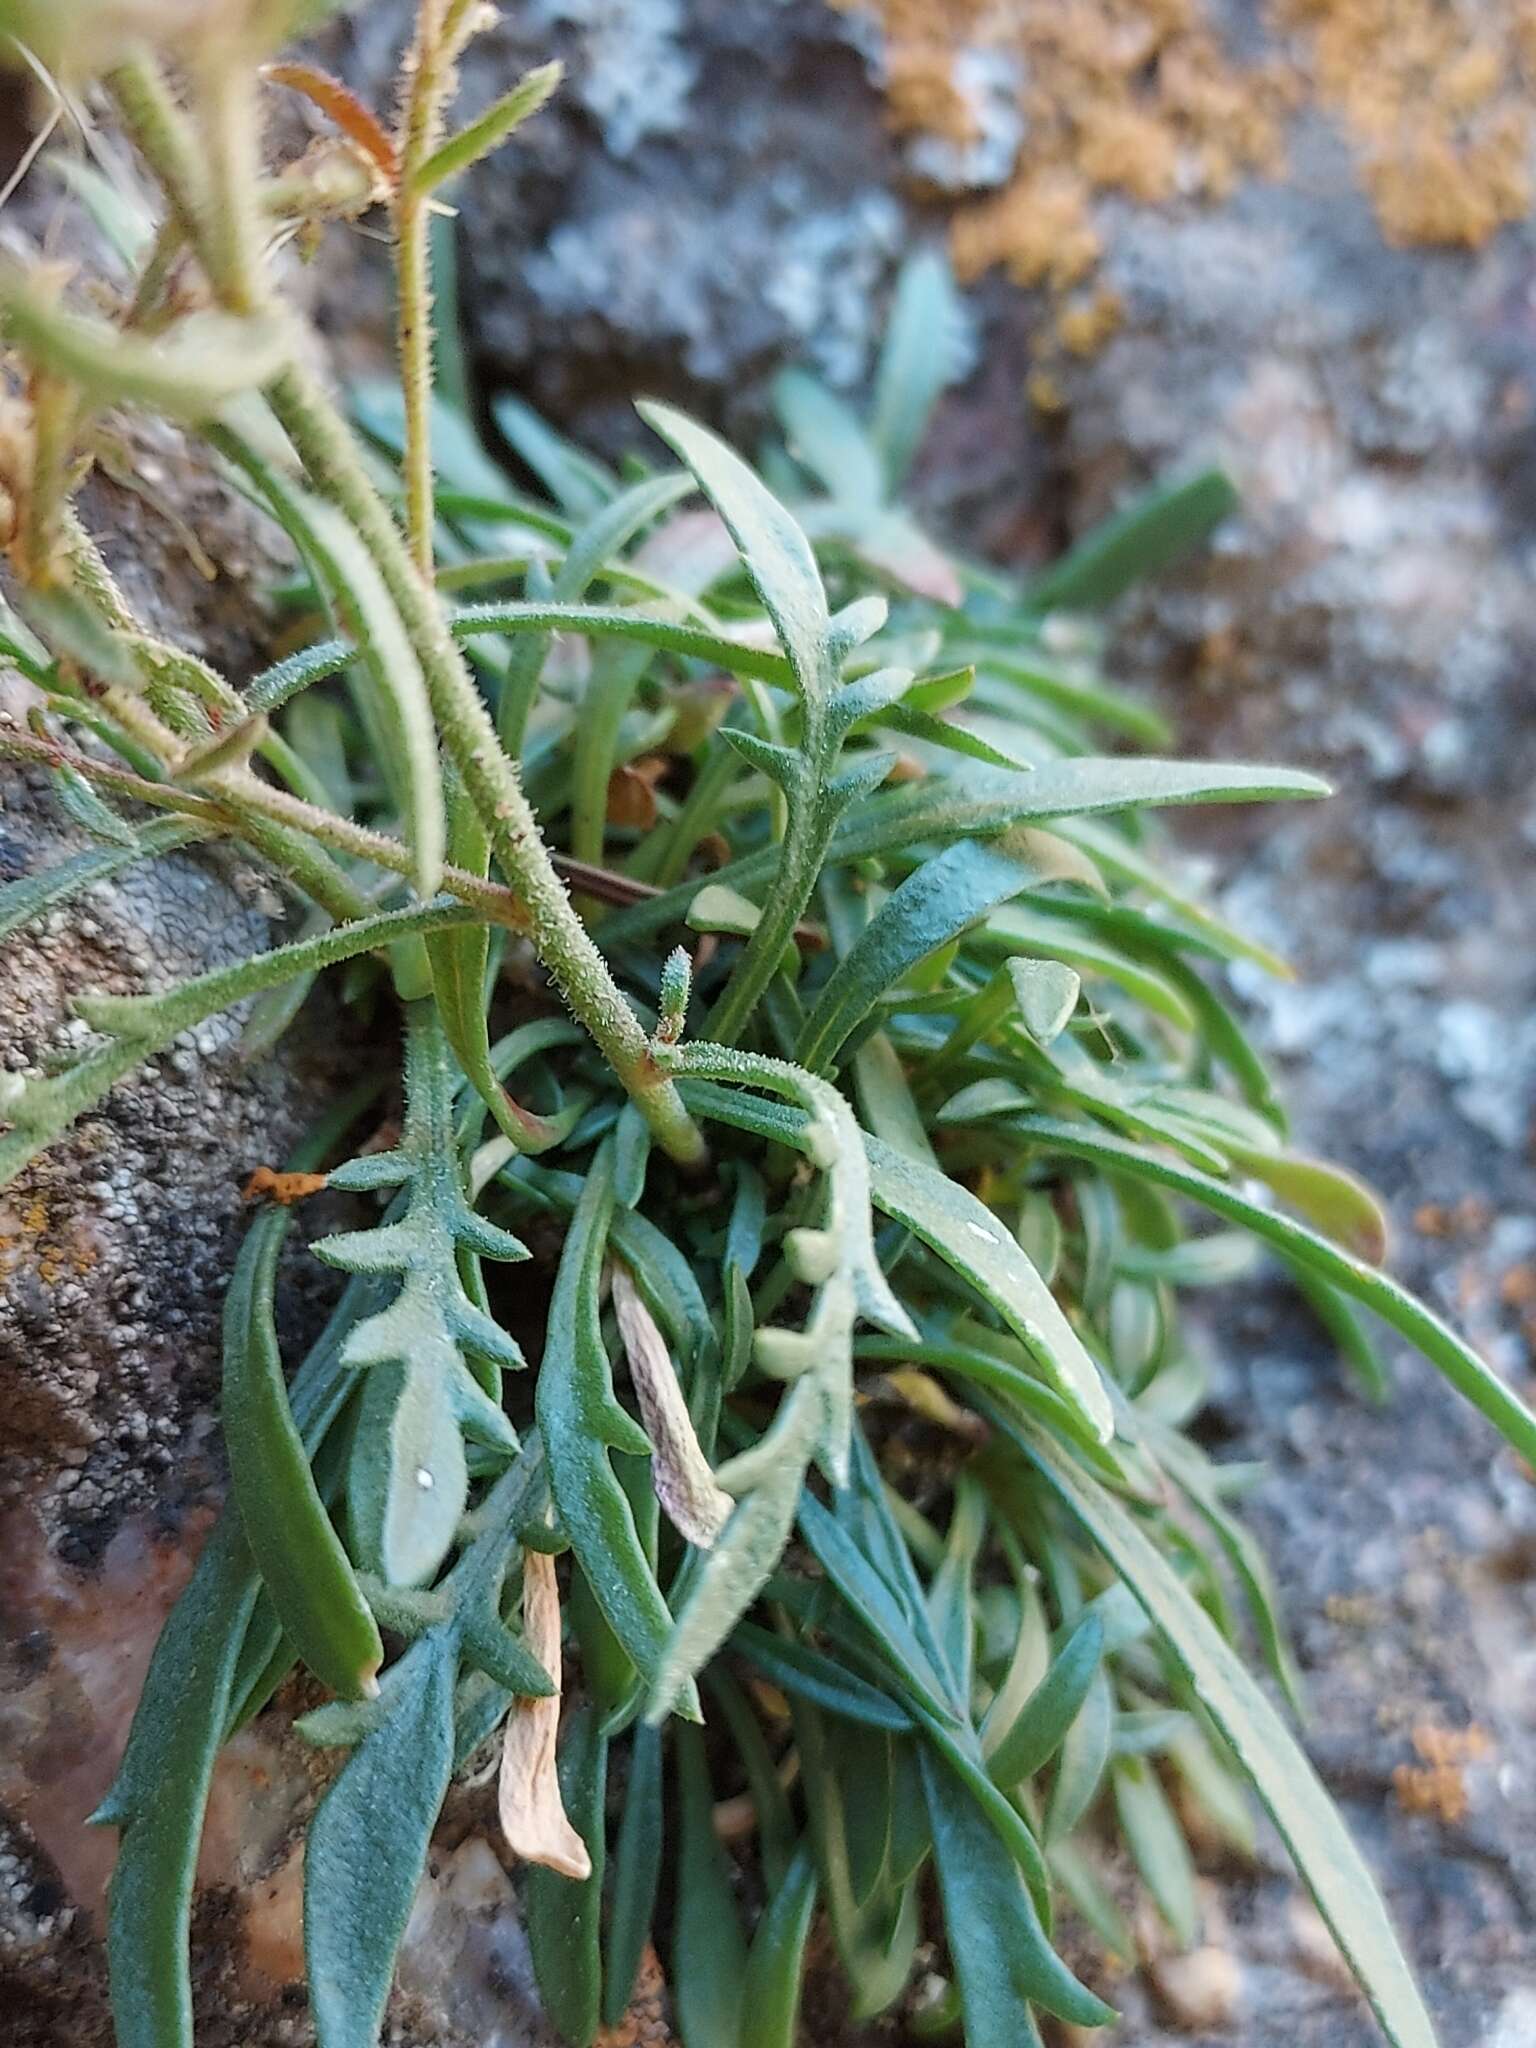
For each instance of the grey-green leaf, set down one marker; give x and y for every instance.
(367, 1847)
(1308, 1822)
(301, 1558)
(709, 1952)
(775, 552)
(1138, 542)
(1002, 1957)
(1303, 1247)
(965, 1233)
(935, 903)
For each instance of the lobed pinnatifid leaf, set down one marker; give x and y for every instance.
(408, 1477)
(838, 1260)
(582, 1422)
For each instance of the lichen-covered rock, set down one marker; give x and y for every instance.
(1368, 613)
(709, 196)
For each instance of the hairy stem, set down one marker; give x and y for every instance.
(228, 120)
(326, 448)
(240, 805)
(429, 72)
(561, 939)
(163, 137)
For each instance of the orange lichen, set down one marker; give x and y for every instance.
(30, 1238)
(1437, 100)
(1437, 1784)
(645, 2024)
(1128, 96)
(283, 1188)
(1142, 98)
(1083, 326)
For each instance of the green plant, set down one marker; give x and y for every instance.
(901, 1337)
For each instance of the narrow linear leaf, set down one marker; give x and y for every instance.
(1157, 1845)
(709, 1952)
(490, 130)
(1341, 1206)
(563, 1916)
(965, 1233)
(582, 1422)
(1028, 1743)
(932, 906)
(1002, 1958)
(161, 1791)
(775, 1972)
(636, 1873)
(925, 350)
(303, 1565)
(367, 1847)
(1141, 541)
(1383, 1296)
(775, 552)
(1306, 1818)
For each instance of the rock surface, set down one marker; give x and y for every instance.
(1368, 614)
(717, 194)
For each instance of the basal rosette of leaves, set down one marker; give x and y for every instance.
(776, 918)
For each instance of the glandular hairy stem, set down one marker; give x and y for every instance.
(429, 71)
(329, 454)
(561, 940)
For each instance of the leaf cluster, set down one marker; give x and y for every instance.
(861, 1426)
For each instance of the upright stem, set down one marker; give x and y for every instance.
(414, 285)
(227, 104)
(330, 456)
(163, 137)
(560, 938)
(429, 72)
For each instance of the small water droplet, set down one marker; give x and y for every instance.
(424, 1479)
